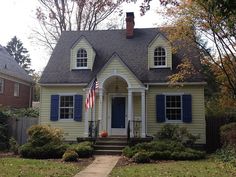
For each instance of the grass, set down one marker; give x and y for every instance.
(201, 168)
(11, 167)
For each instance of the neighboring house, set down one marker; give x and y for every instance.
(132, 68)
(15, 84)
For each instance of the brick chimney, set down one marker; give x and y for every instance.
(129, 25)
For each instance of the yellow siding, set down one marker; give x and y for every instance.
(90, 53)
(71, 128)
(198, 113)
(115, 67)
(159, 42)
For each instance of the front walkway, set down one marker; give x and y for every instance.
(101, 167)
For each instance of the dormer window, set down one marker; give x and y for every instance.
(82, 59)
(159, 57)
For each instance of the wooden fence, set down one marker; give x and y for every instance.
(213, 125)
(17, 128)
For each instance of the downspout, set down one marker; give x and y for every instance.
(146, 89)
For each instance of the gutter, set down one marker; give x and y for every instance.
(177, 83)
(79, 84)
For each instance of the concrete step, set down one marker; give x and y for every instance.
(109, 147)
(110, 138)
(108, 152)
(115, 143)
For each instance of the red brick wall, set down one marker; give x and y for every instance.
(7, 98)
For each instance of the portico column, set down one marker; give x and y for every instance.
(130, 112)
(143, 129)
(86, 124)
(100, 111)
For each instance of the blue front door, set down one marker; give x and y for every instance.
(118, 112)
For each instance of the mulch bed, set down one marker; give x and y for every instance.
(82, 161)
(7, 154)
(124, 161)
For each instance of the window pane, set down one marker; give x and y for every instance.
(159, 56)
(16, 89)
(66, 107)
(81, 58)
(173, 107)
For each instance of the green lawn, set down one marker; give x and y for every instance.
(12, 167)
(203, 168)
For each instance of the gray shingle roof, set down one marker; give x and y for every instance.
(10, 67)
(133, 53)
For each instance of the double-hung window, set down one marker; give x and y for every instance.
(16, 89)
(82, 59)
(173, 107)
(66, 107)
(1, 85)
(159, 57)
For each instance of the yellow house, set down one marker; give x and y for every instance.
(133, 97)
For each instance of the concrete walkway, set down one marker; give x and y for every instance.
(101, 167)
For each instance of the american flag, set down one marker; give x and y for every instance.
(90, 98)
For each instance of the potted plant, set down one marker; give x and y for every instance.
(103, 134)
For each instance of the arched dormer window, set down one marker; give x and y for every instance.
(82, 59)
(159, 57)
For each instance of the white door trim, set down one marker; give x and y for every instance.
(116, 131)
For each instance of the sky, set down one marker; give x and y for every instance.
(17, 18)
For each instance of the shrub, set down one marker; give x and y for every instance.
(164, 150)
(83, 149)
(188, 154)
(160, 155)
(14, 146)
(70, 156)
(40, 135)
(141, 157)
(22, 112)
(42, 152)
(44, 142)
(129, 151)
(176, 133)
(227, 154)
(3, 131)
(228, 135)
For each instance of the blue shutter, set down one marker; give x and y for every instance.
(78, 108)
(187, 108)
(160, 108)
(54, 107)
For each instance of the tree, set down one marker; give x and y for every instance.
(36, 76)
(16, 49)
(201, 22)
(66, 15)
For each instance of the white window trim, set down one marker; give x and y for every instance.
(2, 86)
(17, 93)
(181, 99)
(160, 66)
(59, 110)
(83, 67)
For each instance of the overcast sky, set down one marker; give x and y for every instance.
(17, 18)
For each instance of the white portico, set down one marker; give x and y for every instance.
(120, 99)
